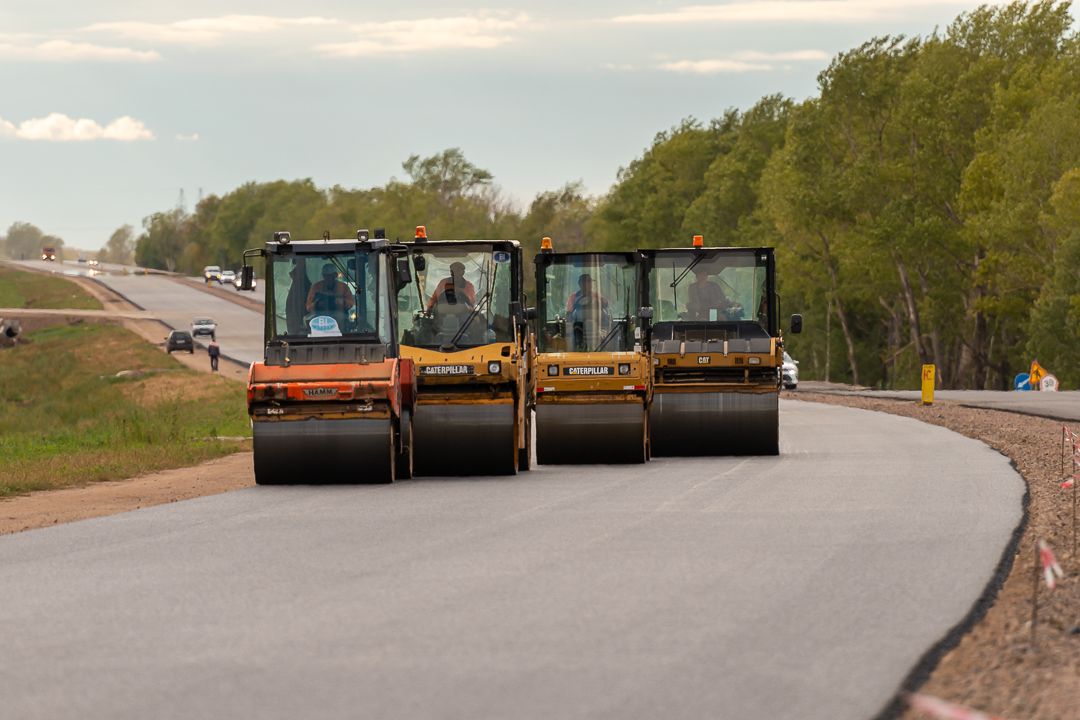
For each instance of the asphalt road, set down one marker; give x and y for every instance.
(801, 586)
(1062, 405)
(177, 302)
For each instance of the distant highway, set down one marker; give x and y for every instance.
(801, 586)
(240, 330)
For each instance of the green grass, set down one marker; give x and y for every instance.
(66, 419)
(20, 289)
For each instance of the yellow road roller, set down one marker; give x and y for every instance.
(593, 380)
(462, 322)
(717, 351)
(332, 400)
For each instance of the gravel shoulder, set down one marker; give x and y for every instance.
(994, 667)
(50, 507)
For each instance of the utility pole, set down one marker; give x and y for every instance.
(181, 205)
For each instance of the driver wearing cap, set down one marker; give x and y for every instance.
(329, 295)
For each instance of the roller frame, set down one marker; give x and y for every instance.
(714, 423)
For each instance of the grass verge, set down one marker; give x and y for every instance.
(20, 289)
(66, 419)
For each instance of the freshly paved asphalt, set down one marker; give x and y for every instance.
(800, 586)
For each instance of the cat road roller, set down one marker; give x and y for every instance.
(716, 350)
(592, 366)
(462, 323)
(332, 401)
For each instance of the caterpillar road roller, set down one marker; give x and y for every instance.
(463, 324)
(716, 350)
(593, 379)
(332, 400)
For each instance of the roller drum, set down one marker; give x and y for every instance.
(596, 433)
(722, 423)
(465, 440)
(324, 451)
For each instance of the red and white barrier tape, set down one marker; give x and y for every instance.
(1051, 570)
(1068, 483)
(944, 710)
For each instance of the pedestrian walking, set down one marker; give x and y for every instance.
(214, 352)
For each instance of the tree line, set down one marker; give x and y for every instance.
(925, 204)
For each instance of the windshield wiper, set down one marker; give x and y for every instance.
(621, 322)
(684, 273)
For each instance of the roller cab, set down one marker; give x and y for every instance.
(462, 323)
(332, 400)
(593, 380)
(716, 350)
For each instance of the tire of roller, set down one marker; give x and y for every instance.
(320, 451)
(572, 434)
(457, 440)
(701, 424)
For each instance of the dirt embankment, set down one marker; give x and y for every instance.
(995, 667)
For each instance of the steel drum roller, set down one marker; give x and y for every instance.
(722, 423)
(464, 439)
(324, 451)
(577, 434)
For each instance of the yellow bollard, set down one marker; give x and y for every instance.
(927, 384)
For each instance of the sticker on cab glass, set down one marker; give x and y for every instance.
(324, 326)
(589, 371)
(446, 369)
(501, 256)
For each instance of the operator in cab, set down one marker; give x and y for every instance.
(584, 295)
(705, 299)
(330, 296)
(454, 289)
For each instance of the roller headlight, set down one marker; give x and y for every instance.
(494, 367)
(624, 368)
(553, 370)
(754, 361)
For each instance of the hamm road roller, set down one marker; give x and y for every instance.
(716, 350)
(593, 379)
(463, 324)
(332, 400)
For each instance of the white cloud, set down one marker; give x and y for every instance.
(205, 31)
(193, 137)
(57, 127)
(66, 51)
(712, 67)
(745, 61)
(791, 11)
(427, 35)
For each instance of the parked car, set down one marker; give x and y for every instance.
(791, 372)
(238, 281)
(204, 326)
(211, 272)
(179, 340)
(82, 258)
(228, 276)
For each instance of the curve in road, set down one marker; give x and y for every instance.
(799, 586)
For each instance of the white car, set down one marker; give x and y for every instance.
(211, 272)
(228, 276)
(204, 326)
(791, 372)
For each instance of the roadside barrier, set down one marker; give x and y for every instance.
(1051, 570)
(1070, 443)
(944, 710)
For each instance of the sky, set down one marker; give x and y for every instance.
(108, 110)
